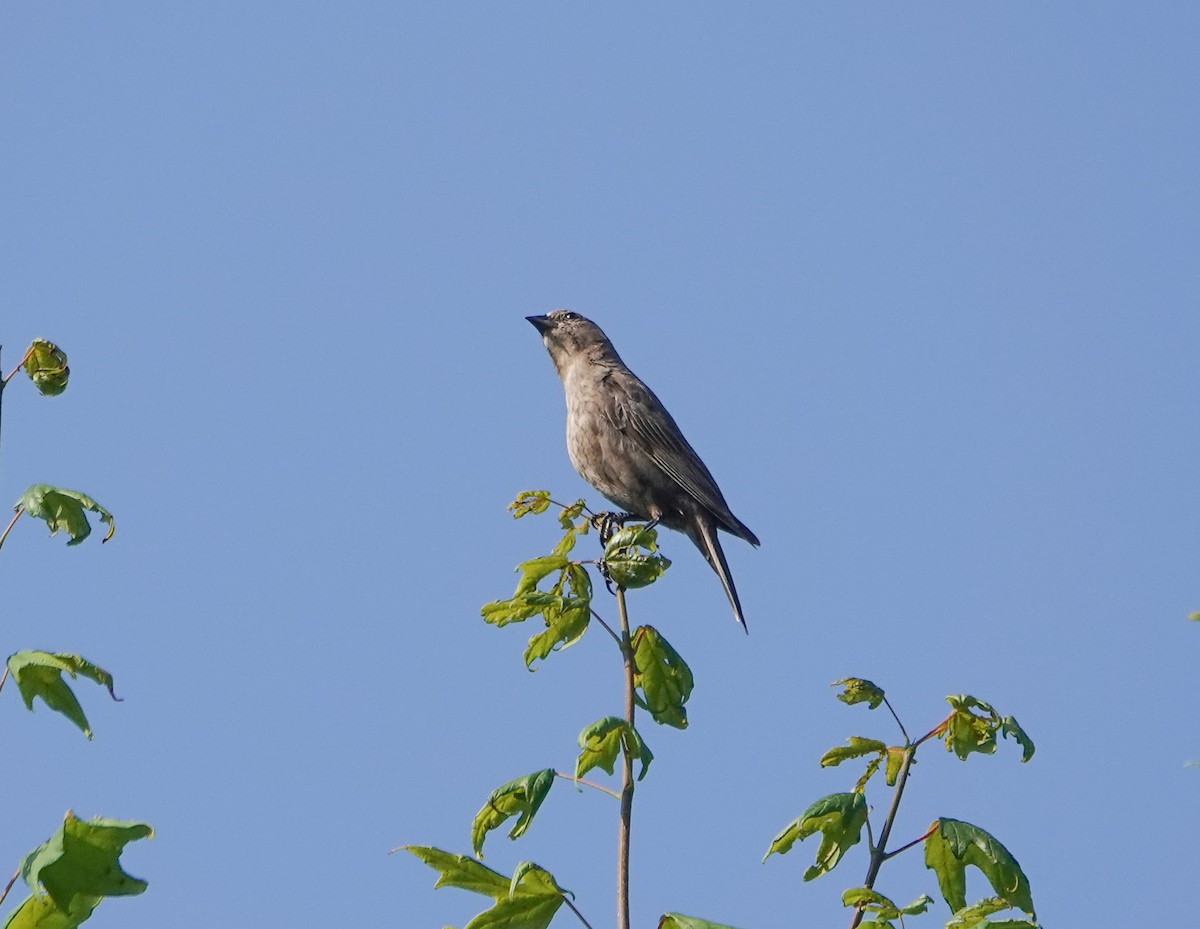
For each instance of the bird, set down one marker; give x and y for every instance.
(623, 442)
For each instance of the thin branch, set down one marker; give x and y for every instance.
(12, 522)
(607, 628)
(24, 358)
(879, 854)
(563, 775)
(917, 841)
(903, 731)
(626, 773)
(934, 732)
(3, 678)
(567, 901)
(9, 886)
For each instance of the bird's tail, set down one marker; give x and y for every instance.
(704, 533)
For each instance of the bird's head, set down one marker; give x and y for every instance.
(570, 336)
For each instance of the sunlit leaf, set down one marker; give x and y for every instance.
(856, 749)
(520, 797)
(954, 845)
(46, 365)
(601, 742)
(64, 509)
(631, 557)
(567, 618)
(968, 731)
(662, 676)
(39, 911)
(39, 674)
(678, 921)
(530, 501)
(976, 916)
(838, 817)
(895, 760)
(859, 690)
(82, 859)
(528, 900)
(871, 901)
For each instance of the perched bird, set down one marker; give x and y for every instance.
(624, 443)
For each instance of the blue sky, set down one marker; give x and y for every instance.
(920, 285)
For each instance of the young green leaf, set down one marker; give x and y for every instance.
(968, 731)
(856, 749)
(895, 758)
(64, 509)
(871, 901)
(518, 609)
(39, 674)
(82, 859)
(859, 690)
(566, 622)
(602, 740)
(568, 514)
(976, 916)
(520, 797)
(662, 676)
(838, 817)
(39, 911)
(631, 557)
(46, 365)
(678, 921)
(954, 845)
(567, 618)
(530, 501)
(528, 900)
(1012, 729)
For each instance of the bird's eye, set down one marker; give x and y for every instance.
(570, 315)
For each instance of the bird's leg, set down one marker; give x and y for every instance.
(605, 522)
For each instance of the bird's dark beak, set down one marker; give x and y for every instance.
(542, 324)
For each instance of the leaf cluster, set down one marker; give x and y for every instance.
(950, 845)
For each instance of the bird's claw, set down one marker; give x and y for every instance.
(606, 522)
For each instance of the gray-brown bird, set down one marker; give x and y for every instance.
(623, 442)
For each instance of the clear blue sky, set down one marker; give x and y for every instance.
(918, 281)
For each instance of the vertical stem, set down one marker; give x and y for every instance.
(879, 853)
(626, 773)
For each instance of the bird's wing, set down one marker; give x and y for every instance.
(640, 415)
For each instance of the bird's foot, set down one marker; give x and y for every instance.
(606, 523)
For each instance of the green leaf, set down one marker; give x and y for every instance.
(662, 676)
(46, 365)
(568, 514)
(859, 690)
(535, 569)
(838, 817)
(82, 860)
(64, 509)
(520, 797)
(872, 767)
(567, 619)
(678, 921)
(39, 911)
(631, 557)
(39, 674)
(968, 731)
(530, 501)
(519, 608)
(871, 901)
(602, 740)
(528, 900)
(895, 759)
(1012, 729)
(856, 749)
(976, 916)
(954, 845)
